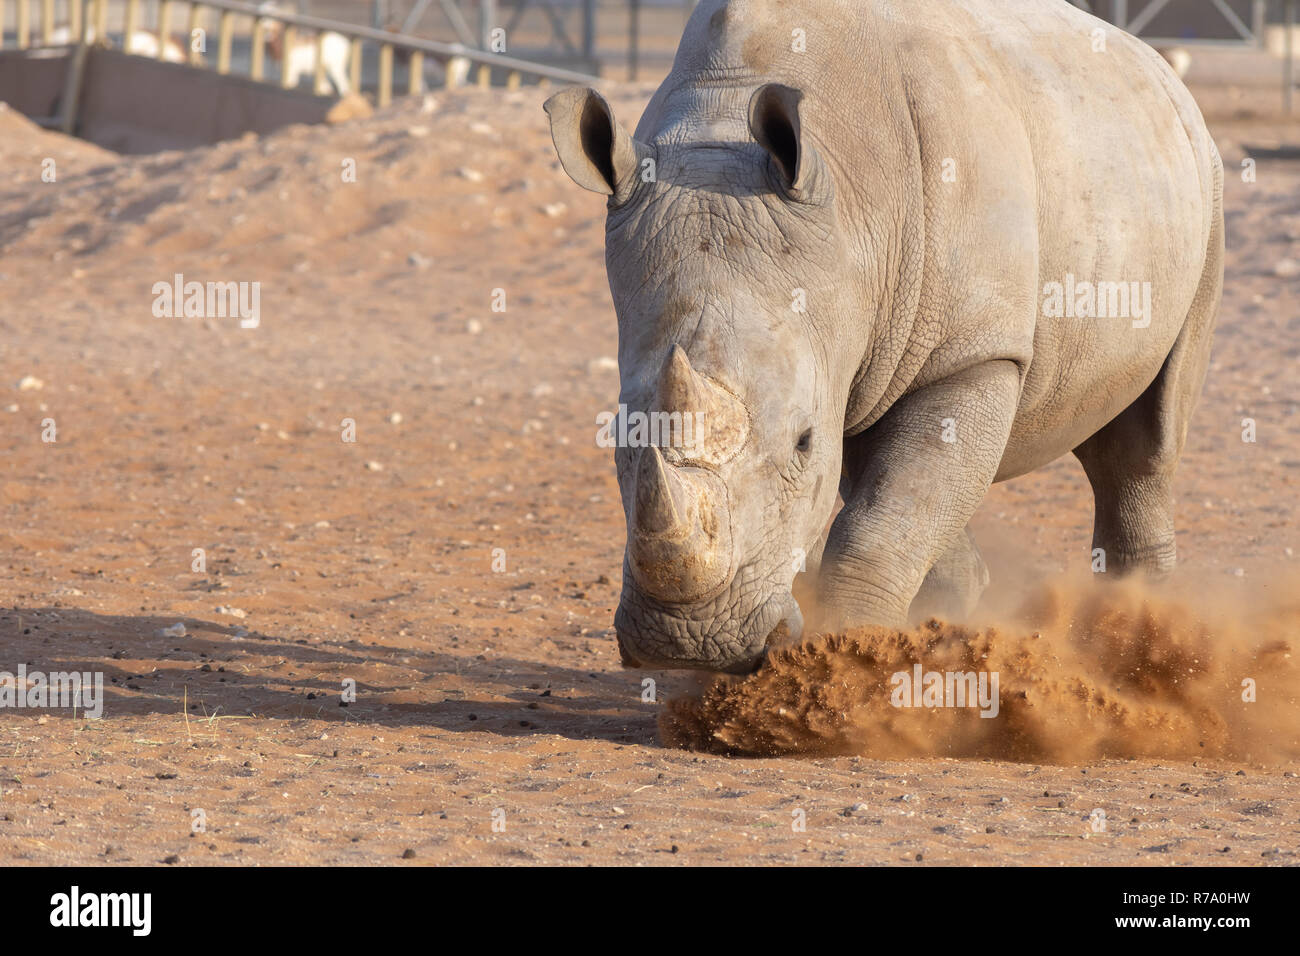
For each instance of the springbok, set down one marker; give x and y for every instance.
(141, 43)
(300, 59)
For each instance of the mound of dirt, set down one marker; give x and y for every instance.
(414, 177)
(1115, 671)
(25, 147)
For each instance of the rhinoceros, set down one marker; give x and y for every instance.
(898, 250)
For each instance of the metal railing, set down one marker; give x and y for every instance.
(1145, 11)
(88, 23)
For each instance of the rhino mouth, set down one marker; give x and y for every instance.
(661, 638)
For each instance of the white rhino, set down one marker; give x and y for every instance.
(905, 248)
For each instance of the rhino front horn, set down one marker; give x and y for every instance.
(679, 538)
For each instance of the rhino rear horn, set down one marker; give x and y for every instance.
(680, 387)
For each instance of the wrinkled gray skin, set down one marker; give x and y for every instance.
(823, 171)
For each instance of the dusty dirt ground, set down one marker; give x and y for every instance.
(482, 696)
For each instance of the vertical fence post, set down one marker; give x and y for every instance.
(450, 74)
(257, 51)
(588, 29)
(164, 27)
(318, 84)
(47, 21)
(484, 76)
(633, 38)
(195, 57)
(74, 19)
(24, 24)
(76, 70)
(131, 24)
(415, 79)
(288, 37)
(1288, 68)
(512, 80)
(354, 67)
(385, 75)
(225, 37)
(101, 19)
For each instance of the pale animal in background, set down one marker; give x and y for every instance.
(300, 59)
(141, 43)
(1177, 57)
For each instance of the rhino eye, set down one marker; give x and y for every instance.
(804, 444)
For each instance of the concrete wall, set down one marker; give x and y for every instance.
(132, 104)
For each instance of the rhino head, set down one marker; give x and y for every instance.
(723, 251)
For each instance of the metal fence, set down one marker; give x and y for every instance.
(86, 22)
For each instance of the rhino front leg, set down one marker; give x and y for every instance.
(953, 587)
(913, 481)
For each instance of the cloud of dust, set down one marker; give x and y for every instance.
(1086, 670)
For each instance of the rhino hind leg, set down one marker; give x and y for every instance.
(1133, 520)
(953, 586)
(1130, 463)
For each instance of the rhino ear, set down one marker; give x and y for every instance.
(594, 149)
(775, 124)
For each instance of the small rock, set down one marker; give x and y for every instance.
(175, 630)
(1287, 269)
(353, 106)
(30, 383)
(374, 466)
(232, 611)
(473, 175)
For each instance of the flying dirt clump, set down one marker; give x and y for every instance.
(1080, 674)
